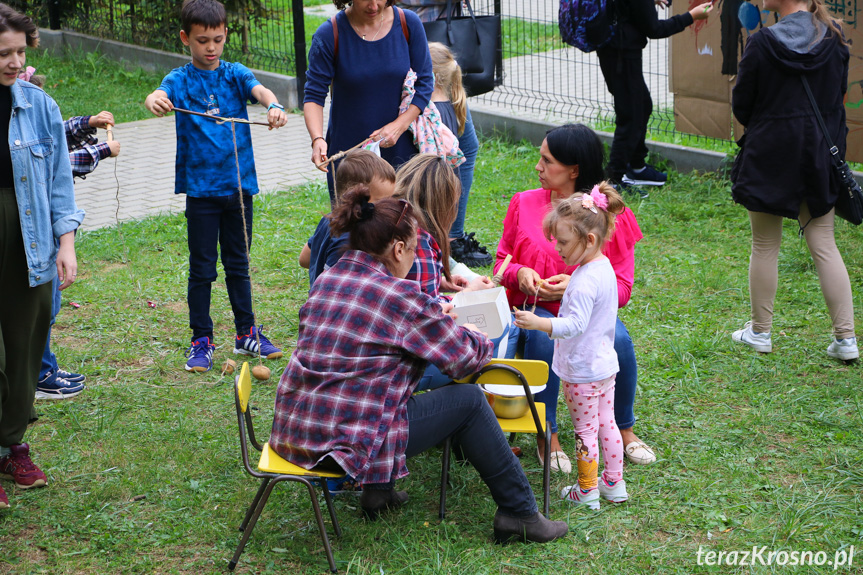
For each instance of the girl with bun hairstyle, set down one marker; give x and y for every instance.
(362, 346)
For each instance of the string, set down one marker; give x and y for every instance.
(245, 234)
(220, 119)
(341, 155)
(535, 299)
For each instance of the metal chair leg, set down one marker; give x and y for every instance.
(337, 530)
(254, 503)
(546, 471)
(444, 476)
(321, 526)
(251, 526)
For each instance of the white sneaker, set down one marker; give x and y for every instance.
(844, 349)
(615, 493)
(575, 494)
(757, 341)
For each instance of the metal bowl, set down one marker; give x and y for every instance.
(508, 401)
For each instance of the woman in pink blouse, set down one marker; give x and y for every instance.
(571, 159)
(345, 401)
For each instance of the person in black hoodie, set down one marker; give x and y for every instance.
(784, 169)
(621, 66)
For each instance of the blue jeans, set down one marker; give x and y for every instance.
(461, 411)
(469, 145)
(218, 223)
(49, 360)
(627, 377)
(433, 378)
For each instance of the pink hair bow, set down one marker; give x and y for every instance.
(27, 73)
(596, 199)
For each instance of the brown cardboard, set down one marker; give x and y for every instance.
(702, 117)
(696, 60)
(854, 152)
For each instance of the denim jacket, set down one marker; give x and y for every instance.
(43, 178)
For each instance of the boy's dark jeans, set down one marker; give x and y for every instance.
(211, 221)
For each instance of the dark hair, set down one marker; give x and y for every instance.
(341, 4)
(207, 13)
(361, 167)
(372, 226)
(13, 21)
(576, 144)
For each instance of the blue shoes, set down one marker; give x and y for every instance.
(256, 344)
(646, 176)
(200, 355)
(56, 386)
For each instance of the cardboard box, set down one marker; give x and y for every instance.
(702, 117)
(488, 310)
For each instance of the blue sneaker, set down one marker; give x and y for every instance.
(248, 345)
(52, 386)
(200, 355)
(646, 176)
(71, 377)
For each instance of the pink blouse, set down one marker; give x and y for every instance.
(523, 238)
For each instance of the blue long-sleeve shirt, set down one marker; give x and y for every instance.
(367, 79)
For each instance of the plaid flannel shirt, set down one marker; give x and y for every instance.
(364, 340)
(428, 267)
(85, 151)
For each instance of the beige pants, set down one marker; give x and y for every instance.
(764, 269)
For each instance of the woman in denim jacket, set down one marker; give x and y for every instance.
(38, 219)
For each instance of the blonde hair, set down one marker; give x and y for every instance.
(431, 186)
(816, 7)
(584, 221)
(447, 77)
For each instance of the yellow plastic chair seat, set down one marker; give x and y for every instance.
(272, 462)
(525, 423)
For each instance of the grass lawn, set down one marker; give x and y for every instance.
(144, 467)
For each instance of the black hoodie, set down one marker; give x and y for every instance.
(784, 158)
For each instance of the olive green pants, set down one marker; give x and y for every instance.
(25, 315)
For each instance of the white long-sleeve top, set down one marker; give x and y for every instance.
(584, 329)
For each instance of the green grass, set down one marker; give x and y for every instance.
(524, 37)
(753, 449)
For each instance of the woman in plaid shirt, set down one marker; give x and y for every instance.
(344, 402)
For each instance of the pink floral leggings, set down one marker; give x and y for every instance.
(591, 407)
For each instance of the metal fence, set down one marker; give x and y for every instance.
(543, 78)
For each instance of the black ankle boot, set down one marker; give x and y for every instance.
(534, 528)
(375, 501)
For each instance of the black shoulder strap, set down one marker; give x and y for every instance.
(834, 151)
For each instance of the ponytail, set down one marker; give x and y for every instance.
(816, 7)
(372, 226)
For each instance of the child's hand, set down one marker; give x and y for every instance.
(528, 320)
(457, 284)
(276, 118)
(114, 145)
(102, 120)
(479, 283)
(158, 103)
(448, 309)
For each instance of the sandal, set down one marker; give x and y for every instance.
(639, 453)
(559, 461)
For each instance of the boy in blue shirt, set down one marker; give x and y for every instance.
(206, 172)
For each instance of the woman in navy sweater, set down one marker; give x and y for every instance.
(366, 59)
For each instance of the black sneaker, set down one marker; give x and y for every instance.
(468, 251)
(630, 190)
(648, 176)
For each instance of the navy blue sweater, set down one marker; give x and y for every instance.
(367, 79)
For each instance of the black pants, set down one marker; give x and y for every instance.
(25, 314)
(212, 223)
(632, 105)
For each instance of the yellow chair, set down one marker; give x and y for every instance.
(272, 469)
(524, 372)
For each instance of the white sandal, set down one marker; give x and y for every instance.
(559, 461)
(639, 453)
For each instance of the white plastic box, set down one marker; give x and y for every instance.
(488, 310)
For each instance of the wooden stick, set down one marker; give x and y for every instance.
(110, 130)
(340, 155)
(220, 119)
(498, 277)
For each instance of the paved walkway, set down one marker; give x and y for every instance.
(145, 168)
